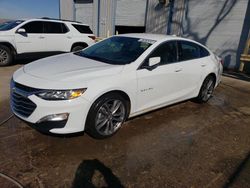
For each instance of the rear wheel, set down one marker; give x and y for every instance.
(206, 90)
(106, 116)
(78, 48)
(6, 56)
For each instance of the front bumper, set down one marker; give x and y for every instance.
(45, 127)
(77, 109)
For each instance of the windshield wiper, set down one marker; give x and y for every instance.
(92, 57)
(104, 60)
(108, 61)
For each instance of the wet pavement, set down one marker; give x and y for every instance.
(184, 145)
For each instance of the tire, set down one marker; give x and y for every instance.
(78, 48)
(106, 116)
(206, 90)
(6, 56)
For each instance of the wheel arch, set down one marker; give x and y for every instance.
(116, 91)
(204, 78)
(88, 126)
(10, 46)
(213, 75)
(198, 98)
(83, 44)
(121, 93)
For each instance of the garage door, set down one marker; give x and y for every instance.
(130, 14)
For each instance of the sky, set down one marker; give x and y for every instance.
(16, 9)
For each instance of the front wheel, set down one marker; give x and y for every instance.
(6, 56)
(206, 90)
(106, 116)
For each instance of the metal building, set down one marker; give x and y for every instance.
(221, 25)
(100, 14)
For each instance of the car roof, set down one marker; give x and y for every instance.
(156, 37)
(53, 20)
(160, 37)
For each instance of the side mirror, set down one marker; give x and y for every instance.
(153, 61)
(21, 31)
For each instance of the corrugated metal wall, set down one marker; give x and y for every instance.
(106, 22)
(157, 17)
(130, 13)
(84, 13)
(66, 9)
(179, 12)
(98, 15)
(217, 24)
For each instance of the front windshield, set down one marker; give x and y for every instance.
(9, 25)
(117, 50)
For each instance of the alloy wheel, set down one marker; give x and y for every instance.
(3, 56)
(208, 90)
(110, 117)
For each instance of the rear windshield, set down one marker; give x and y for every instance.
(10, 25)
(83, 28)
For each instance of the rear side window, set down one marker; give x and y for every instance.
(55, 28)
(34, 27)
(82, 29)
(167, 51)
(188, 51)
(204, 52)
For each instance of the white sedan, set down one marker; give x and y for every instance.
(97, 89)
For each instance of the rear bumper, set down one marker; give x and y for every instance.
(219, 75)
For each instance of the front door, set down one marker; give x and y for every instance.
(159, 85)
(32, 40)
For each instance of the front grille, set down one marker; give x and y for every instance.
(20, 102)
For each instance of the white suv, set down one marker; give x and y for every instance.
(23, 37)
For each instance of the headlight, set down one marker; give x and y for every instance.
(61, 94)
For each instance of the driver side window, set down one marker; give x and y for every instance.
(34, 27)
(166, 51)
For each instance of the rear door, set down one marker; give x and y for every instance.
(32, 40)
(189, 68)
(56, 36)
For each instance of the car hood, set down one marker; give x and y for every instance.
(70, 67)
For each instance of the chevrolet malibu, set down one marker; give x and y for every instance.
(95, 90)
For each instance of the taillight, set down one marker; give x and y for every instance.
(221, 61)
(92, 37)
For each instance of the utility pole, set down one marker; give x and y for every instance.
(170, 16)
(59, 3)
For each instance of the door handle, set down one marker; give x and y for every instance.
(178, 70)
(69, 37)
(203, 65)
(41, 37)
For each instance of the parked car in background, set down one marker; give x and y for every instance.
(20, 38)
(97, 89)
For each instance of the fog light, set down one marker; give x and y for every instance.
(54, 117)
